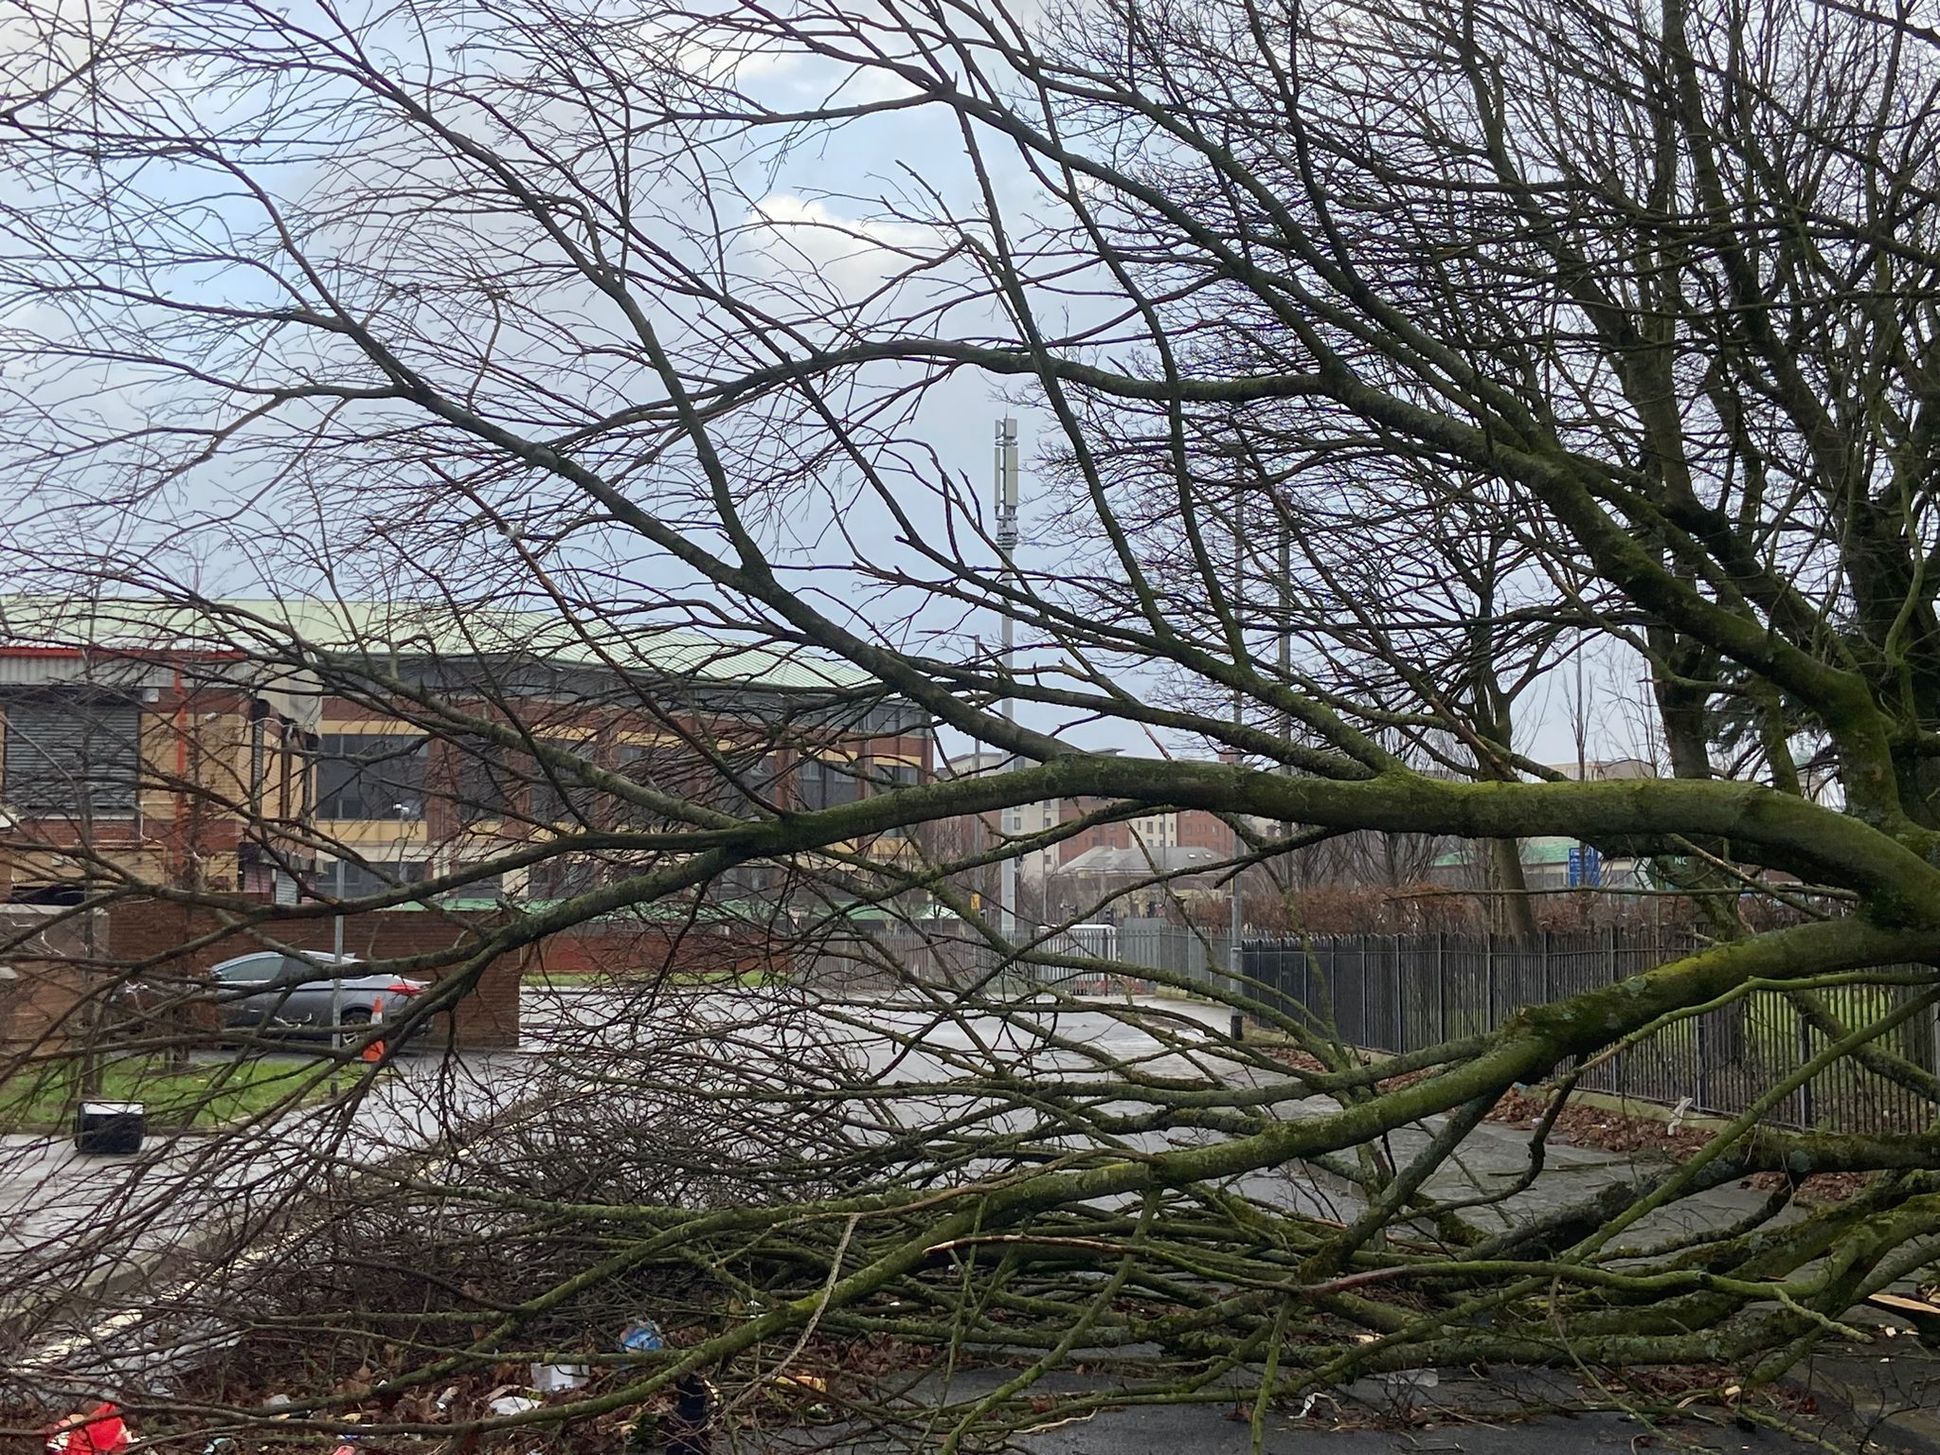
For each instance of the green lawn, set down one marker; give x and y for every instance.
(200, 1096)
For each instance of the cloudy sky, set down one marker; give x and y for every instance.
(806, 220)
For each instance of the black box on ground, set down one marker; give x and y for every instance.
(109, 1128)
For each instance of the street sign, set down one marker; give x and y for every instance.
(1586, 867)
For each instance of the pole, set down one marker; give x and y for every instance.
(1286, 644)
(1582, 765)
(336, 959)
(1006, 490)
(1238, 920)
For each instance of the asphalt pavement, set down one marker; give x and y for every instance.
(1461, 1415)
(1193, 1430)
(70, 1218)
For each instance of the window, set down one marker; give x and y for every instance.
(478, 779)
(258, 762)
(738, 782)
(746, 885)
(668, 770)
(563, 878)
(295, 970)
(71, 756)
(826, 783)
(557, 791)
(743, 785)
(249, 970)
(358, 880)
(484, 886)
(370, 775)
(886, 775)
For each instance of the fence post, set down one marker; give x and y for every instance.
(1805, 1087)
(1488, 979)
(1701, 1042)
(1441, 986)
(1542, 966)
(1366, 1035)
(1400, 1004)
(1933, 1031)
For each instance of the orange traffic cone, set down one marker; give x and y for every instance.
(374, 1047)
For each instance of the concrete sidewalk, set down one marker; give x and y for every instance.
(1460, 1414)
(71, 1223)
(54, 1205)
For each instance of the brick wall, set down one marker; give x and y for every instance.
(489, 1014)
(1199, 829)
(46, 953)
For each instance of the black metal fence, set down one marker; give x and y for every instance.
(1399, 993)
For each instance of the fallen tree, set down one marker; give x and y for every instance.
(535, 327)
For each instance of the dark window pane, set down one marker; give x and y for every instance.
(669, 770)
(563, 878)
(477, 779)
(371, 776)
(486, 886)
(736, 783)
(358, 880)
(886, 775)
(249, 970)
(558, 791)
(743, 785)
(826, 782)
(747, 885)
(297, 971)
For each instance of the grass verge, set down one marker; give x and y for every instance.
(198, 1096)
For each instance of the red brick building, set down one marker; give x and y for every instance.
(281, 751)
(151, 736)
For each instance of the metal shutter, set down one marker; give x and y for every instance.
(70, 756)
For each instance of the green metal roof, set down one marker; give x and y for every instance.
(1540, 850)
(429, 630)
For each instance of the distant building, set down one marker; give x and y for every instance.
(980, 832)
(1603, 770)
(1556, 861)
(1549, 861)
(1138, 881)
(138, 737)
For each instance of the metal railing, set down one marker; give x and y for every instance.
(1400, 993)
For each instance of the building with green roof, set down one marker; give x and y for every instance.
(300, 746)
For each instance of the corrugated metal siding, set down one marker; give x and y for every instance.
(44, 669)
(431, 630)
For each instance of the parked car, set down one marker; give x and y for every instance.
(293, 994)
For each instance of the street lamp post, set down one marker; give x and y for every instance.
(1006, 490)
(337, 958)
(1237, 924)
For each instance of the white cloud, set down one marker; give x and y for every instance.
(852, 255)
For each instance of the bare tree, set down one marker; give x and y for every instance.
(507, 385)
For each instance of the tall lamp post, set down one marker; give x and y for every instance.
(1237, 925)
(1006, 493)
(337, 956)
